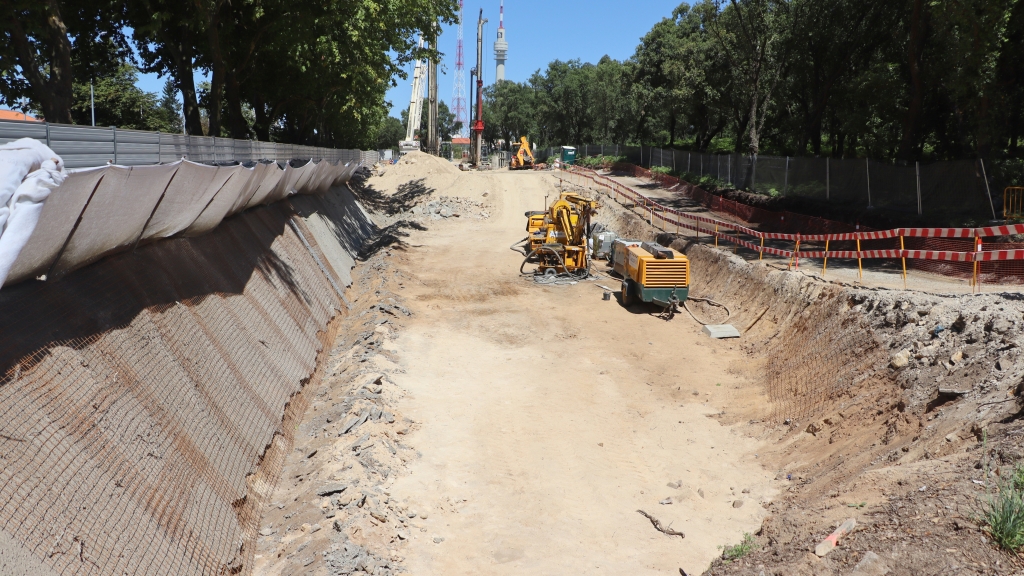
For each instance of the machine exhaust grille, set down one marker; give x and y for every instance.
(666, 274)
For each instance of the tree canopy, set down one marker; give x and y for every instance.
(295, 71)
(899, 80)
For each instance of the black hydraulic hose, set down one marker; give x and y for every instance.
(542, 247)
(520, 246)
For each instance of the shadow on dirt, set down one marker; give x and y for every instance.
(407, 196)
(387, 237)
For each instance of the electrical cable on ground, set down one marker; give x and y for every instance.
(709, 301)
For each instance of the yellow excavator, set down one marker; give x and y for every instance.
(556, 238)
(523, 158)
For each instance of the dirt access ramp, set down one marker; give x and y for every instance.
(541, 419)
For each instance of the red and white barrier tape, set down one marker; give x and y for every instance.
(945, 255)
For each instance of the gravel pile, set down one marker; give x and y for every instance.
(332, 510)
(451, 207)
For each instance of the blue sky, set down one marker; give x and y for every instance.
(537, 31)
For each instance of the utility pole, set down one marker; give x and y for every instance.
(478, 124)
(433, 142)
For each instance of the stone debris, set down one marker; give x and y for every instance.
(331, 489)
(450, 207)
(344, 487)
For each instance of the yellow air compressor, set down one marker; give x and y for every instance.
(651, 273)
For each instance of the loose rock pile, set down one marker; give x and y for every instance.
(451, 207)
(332, 509)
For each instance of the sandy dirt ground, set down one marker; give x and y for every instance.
(547, 417)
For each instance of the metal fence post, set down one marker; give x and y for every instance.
(917, 169)
(867, 166)
(114, 130)
(48, 135)
(687, 162)
(159, 148)
(753, 172)
(987, 189)
(785, 179)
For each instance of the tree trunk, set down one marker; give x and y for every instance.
(755, 143)
(236, 121)
(914, 46)
(1014, 129)
(218, 69)
(180, 49)
(262, 124)
(54, 92)
(741, 127)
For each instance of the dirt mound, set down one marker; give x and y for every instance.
(416, 175)
(419, 164)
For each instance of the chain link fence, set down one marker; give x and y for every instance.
(939, 192)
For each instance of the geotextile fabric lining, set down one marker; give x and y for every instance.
(145, 401)
(101, 211)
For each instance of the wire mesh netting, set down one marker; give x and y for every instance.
(804, 378)
(145, 434)
(939, 191)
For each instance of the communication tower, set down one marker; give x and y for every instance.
(459, 87)
(500, 46)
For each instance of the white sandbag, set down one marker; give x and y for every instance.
(56, 221)
(29, 171)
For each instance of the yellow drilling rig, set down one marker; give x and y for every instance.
(556, 238)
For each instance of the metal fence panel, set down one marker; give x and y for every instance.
(82, 147)
(173, 147)
(88, 146)
(940, 190)
(15, 130)
(137, 147)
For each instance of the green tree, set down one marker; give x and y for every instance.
(509, 112)
(169, 107)
(446, 123)
(390, 133)
(37, 42)
(119, 102)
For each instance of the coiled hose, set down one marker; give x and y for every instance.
(709, 301)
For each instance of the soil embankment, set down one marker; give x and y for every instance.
(148, 400)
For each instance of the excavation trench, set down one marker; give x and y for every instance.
(216, 405)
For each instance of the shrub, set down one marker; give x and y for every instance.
(748, 545)
(1003, 512)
